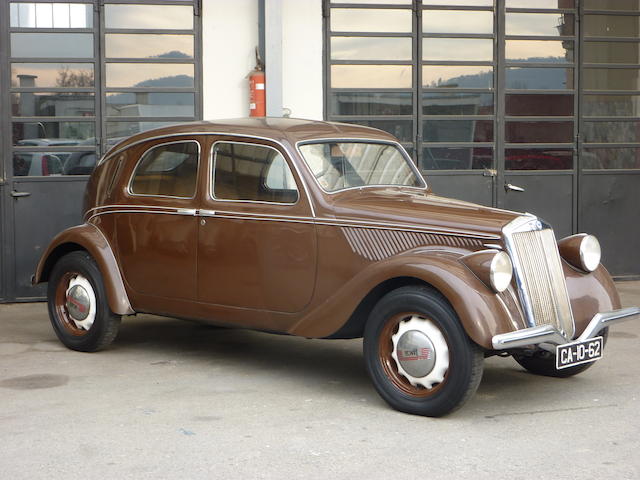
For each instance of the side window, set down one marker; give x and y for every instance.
(252, 172)
(167, 170)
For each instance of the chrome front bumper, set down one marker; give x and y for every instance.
(549, 335)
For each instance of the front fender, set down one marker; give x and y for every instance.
(482, 312)
(88, 237)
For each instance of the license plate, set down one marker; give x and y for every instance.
(576, 353)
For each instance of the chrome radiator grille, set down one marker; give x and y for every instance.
(538, 271)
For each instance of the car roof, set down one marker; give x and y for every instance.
(283, 130)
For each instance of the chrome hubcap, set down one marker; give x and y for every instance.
(81, 302)
(420, 351)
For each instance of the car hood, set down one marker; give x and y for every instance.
(415, 208)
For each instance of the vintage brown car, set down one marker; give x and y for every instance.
(326, 230)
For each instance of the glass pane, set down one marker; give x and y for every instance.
(606, 158)
(471, 3)
(458, 131)
(612, 132)
(611, 26)
(174, 17)
(539, 78)
(52, 75)
(395, 2)
(452, 76)
(544, 24)
(611, 52)
(356, 103)
(80, 163)
(38, 164)
(539, 132)
(611, 79)
(466, 158)
(457, 49)
(401, 129)
(461, 21)
(117, 131)
(457, 103)
(148, 46)
(548, 51)
(150, 104)
(48, 45)
(612, 105)
(540, 4)
(58, 15)
(633, 5)
(370, 48)
(241, 173)
(149, 75)
(168, 170)
(371, 76)
(538, 159)
(52, 104)
(43, 134)
(539, 104)
(371, 20)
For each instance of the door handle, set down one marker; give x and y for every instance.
(514, 188)
(15, 194)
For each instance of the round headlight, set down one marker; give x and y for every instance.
(500, 272)
(590, 253)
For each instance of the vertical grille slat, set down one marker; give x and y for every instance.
(542, 282)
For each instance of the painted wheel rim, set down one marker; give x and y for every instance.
(75, 303)
(422, 370)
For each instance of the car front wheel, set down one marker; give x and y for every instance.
(419, 357)
(78, 307)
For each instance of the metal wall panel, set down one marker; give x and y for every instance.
(471, 188)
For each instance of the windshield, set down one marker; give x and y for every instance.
(340, 165)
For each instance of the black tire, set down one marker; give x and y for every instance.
(465, 366)
(104, 329)
(544, 363)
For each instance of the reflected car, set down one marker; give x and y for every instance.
(326, 230)
(37, 164)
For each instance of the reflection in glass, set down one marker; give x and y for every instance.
(395, 2)
(117, 131)
(53, 104)
(632, 5)
(539, 104)
(467, 158)
(611, 52)
(370, 48)
(48, 45)
(540, 4)
(150, 104)
(611, 26)
(611, 105)
(52, 75)
(458, 131)
(453, 103)
(371, 20)
(358, 103)
(371, 76)
(42, 134)
(612, 132)
(149, 75)
(148, 46)
(460, 21)
(539, 132)
(170, 17)
(401, 129)
(539, 51)
(469, 3)
(538, 159)
(451, 76)
(457, 49)
(610, 79)
(56, 15)
(608, 158)
(539, 78)
(38, 164)
(543, 24)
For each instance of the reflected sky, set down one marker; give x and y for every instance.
(148, 46)
(370, 48)
(457, 49)
(149, 16)
(457, 76)
(543, 24)
(371, 76)
(541, 3)
(460, 21)
(149, 75)
(46, 74)
(57, 15)
(539, 51)
(371, 20)
(52, 45)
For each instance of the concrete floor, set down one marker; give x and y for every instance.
(172, 399)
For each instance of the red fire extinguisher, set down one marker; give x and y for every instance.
(257, 93)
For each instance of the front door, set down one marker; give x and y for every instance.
(257, 245)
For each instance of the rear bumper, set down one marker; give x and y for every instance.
(550, 335)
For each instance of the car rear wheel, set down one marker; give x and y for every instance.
(419, 357)
(544, 363)
(78, 307)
